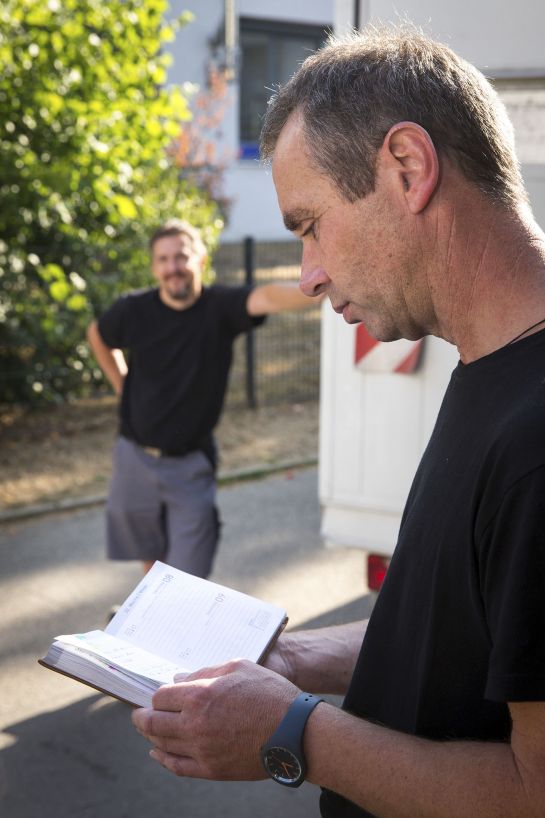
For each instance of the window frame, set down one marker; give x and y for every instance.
(277, 30)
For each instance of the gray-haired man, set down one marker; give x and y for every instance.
(394, 163)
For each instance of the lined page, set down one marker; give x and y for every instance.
(193, 622)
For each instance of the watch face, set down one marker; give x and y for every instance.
(282, 765)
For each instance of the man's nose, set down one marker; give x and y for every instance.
(314, 280)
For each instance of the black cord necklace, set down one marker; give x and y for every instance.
(537, 323)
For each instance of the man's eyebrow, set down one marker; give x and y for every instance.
(294, 218)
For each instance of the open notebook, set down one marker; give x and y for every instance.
(171, 623)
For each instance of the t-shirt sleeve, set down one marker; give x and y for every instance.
(234, 312)
(113, 324)
(512, 570)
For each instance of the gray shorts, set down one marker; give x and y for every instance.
(162, 508)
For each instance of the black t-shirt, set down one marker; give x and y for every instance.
(179, 363)
(459, 625)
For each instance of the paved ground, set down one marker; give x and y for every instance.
(68, 753)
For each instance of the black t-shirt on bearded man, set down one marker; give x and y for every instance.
(459, 625)
(179, 363)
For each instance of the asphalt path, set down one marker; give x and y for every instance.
(68, 752)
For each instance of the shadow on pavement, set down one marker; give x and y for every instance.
(86, 760)
(359, 608)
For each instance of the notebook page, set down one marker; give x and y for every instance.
(194, 622)
(108, 650)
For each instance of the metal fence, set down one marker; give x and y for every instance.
(280, 361)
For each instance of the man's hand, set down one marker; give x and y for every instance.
(213, 724)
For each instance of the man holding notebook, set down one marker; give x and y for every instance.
(394, 162)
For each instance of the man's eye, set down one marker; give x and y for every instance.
(310, 231)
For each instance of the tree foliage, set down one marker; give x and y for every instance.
(86, 124)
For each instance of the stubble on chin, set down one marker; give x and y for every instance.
(178, 288)
(181, 295)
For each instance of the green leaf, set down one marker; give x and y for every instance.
(76, 302)
(52, 272)
(59, 290)
(125, 206)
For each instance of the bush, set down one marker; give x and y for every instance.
(85, 127)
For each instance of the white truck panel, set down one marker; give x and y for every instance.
(373, 430)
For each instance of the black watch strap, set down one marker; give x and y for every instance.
(288, 736)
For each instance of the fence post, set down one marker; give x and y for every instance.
(249, 267)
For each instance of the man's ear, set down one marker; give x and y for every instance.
(410, 153)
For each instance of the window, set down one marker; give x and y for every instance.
(270, 53)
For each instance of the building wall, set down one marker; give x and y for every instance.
(248, 185)
(495, 35)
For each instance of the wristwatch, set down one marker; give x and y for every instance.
(282, 754)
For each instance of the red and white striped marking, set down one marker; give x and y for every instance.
(393, 356)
